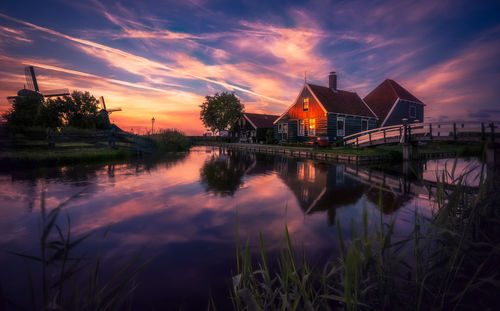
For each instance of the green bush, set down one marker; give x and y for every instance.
(171, 140)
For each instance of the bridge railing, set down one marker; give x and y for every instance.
(475, 130)
(388, 132)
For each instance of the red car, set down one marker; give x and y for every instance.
(322, 141)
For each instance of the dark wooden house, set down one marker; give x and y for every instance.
(253, 127)
(392, 102)
(326, 112)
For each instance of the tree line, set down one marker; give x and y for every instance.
(79, 110)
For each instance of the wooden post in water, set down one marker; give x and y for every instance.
(430, 130)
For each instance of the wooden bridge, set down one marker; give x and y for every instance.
(466, 131)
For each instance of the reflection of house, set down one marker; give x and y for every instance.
(391, 102)
(252, 127)
(324, 111)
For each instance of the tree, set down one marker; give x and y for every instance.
(25, 110)
(80, 109)
(221, 111)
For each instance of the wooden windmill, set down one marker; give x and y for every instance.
(33, 89)
(103, 107)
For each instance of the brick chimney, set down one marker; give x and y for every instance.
(332, 81)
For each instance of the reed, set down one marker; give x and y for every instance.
(63, 268)
(449, 261)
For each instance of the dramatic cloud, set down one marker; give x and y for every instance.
(161, 60)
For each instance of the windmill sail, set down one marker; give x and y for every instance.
(103, 106)
(52, 93)
(29, 72)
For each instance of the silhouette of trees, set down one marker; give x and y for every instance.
(80, 110)
(221, 111)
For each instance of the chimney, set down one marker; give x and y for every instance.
(332, 81)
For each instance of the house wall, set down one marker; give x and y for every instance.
(402, 110)
(296, 113)
(352, 125)
(238, 131)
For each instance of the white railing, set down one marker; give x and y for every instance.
(426, 131)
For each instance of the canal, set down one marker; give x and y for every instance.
(181, 214)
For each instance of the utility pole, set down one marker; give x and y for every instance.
(152, 126)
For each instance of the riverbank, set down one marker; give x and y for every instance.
(87, 146)
(62, 156)
(366, 155)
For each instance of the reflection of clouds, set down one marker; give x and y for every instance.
(164, 209)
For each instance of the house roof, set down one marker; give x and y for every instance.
(261, 120)
(342, 102)
(384, 96)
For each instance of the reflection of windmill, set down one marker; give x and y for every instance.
(103, 107)
(33, 89)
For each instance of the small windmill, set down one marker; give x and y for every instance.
(103, 107)
(33, 89)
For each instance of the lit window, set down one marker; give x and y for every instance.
(305, 104)
(413, 111)
(312, 127)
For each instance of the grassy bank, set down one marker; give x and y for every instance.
(63, 156)
(448, 262)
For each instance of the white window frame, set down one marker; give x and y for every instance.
(364, 120)
(341, 133)
(285, 128)
(280, 127)
(413, 107)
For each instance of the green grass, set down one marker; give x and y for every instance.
(448, 262)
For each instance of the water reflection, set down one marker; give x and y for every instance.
(182, 212)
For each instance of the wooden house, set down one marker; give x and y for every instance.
(253, 127)
(392, 103)
(326, 112)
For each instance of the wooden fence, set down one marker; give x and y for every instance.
(76, 140)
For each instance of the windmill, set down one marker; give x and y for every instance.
(103, 107)
(33, 89)
(103, 121)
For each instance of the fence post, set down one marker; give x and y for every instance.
(384, 137)
(483, 134)
(357, 142)
(370, 137)
(455, 130)
(430, 129)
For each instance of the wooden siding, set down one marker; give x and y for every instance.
(402, 110)
(315, 109)
(352, 125)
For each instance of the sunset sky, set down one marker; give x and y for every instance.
(160, 58)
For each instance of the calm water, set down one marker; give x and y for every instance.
(181, 212)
